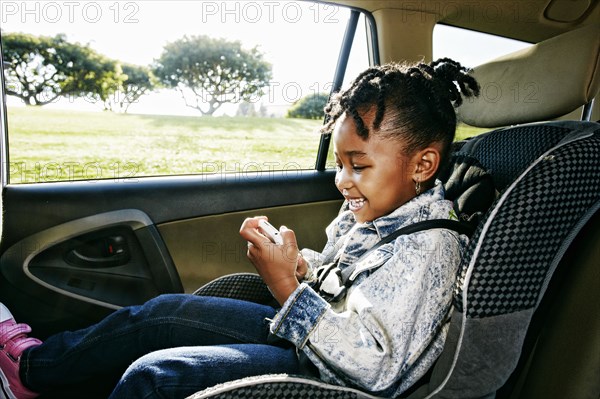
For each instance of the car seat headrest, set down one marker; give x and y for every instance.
(542, 82)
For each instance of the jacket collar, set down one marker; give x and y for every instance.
(421, 207)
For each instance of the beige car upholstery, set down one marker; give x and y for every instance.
(537, 83)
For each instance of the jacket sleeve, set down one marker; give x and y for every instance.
(389, 318)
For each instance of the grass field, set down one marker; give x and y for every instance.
(52, 145)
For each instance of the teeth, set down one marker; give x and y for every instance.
(357, 202)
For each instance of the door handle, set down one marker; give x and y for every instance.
(101, 252)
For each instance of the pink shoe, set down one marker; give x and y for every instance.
(13, 341)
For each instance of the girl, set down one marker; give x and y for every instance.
(378, 329)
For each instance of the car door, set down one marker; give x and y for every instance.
(84, 233)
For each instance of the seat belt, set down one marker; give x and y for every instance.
(328, 273)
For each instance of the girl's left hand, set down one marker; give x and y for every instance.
(276, 264)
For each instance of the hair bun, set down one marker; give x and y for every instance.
(452, 81)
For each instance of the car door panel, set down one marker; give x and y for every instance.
(177, 230)
(104, 261)
(31, 208)
(207, 247)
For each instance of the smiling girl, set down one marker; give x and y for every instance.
(381, 331)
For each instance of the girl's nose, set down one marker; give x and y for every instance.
(342, 180)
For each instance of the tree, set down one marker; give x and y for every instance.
(41, 69)
(309, 107)
(131, 83)
(209, 72)
(140, 80)
(99, 80)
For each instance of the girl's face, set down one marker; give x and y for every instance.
(375, 176)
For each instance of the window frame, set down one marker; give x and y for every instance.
(4, 165)
(342, 64)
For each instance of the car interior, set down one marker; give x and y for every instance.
(525, 312)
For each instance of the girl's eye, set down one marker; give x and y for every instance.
(355, 168)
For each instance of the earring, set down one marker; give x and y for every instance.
(418, 187)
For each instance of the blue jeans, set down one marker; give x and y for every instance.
(170, 347)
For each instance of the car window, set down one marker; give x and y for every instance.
(471, 49)
(126, 89)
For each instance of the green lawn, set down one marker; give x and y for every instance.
(51, 145)
(466, 131)
(48, 145)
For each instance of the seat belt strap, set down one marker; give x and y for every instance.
(455, 225)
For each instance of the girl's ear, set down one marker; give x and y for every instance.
(427, 162)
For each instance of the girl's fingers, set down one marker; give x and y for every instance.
(249, 230)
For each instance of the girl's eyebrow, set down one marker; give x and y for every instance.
(356, 154)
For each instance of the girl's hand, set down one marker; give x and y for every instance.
(276, 264)
(301, 267)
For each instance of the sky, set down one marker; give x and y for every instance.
(288, 33)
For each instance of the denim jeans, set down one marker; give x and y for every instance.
(170, 347)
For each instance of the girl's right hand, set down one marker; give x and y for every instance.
(276, 264)
(301, 267)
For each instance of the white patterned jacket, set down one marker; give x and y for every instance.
(391, 326)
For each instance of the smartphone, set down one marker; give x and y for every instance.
(271, 232)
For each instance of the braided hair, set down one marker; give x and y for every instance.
(414, 103)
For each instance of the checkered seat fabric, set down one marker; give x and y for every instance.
(506, 152)
(549, 178)
(528, 228)
(244, 286)
(279, 386)
(513, 254)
